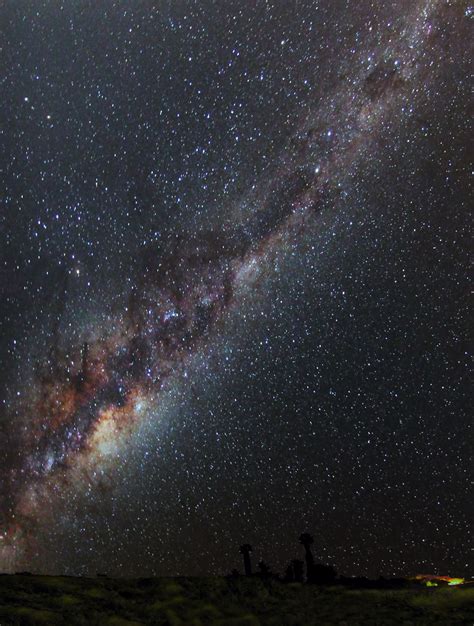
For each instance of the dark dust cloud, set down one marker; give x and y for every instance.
(233, 285)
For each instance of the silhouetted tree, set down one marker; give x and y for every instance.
(322, 574)
(307, 541)
(245, 550)
(264, 569)
(289, 574)
(297, 570)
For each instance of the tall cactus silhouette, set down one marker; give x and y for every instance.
(246, 549)
(297, 570)
(307, 541)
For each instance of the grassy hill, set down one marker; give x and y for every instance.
(51, 600)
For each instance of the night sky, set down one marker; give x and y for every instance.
(234, 243)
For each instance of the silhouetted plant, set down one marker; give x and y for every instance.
(297, 570)
(307, 541)
(245, 551)
(264, 569)
(289, 574)
(322, 574)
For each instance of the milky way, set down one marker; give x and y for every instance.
(90, 391)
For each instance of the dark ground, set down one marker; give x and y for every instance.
(213, 601)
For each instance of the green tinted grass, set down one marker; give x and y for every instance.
(58, 601)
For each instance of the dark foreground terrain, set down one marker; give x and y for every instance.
(48, 600)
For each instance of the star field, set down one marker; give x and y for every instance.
(233, 285)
